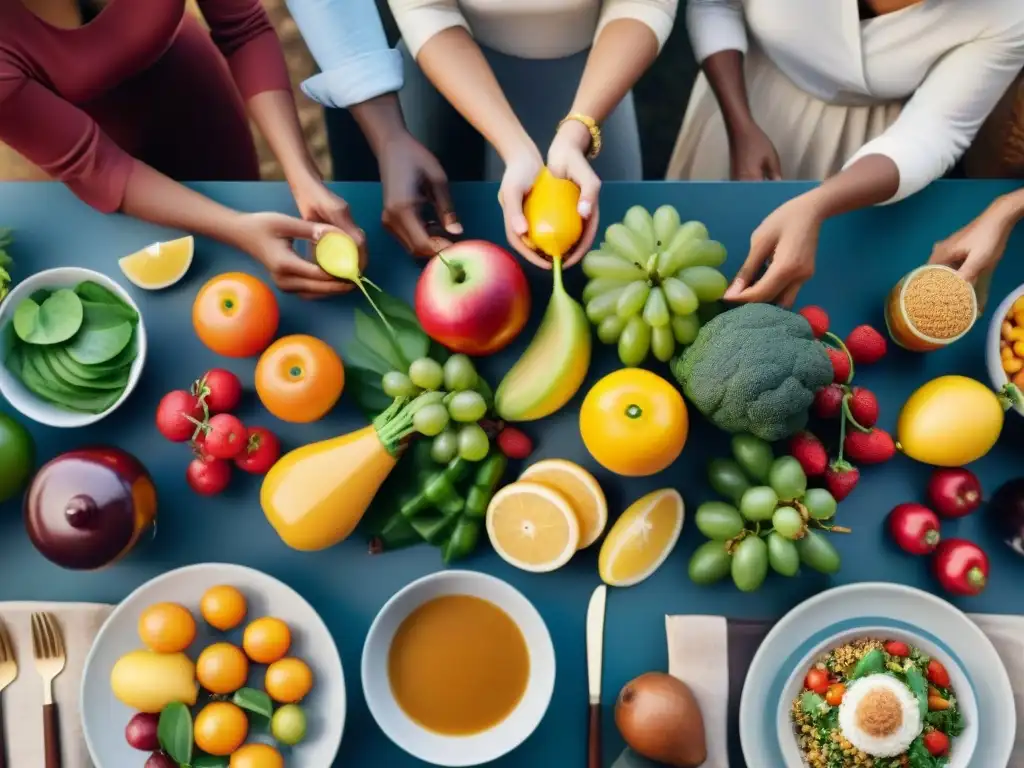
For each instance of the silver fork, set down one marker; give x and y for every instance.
(48, 648)
(8, 673)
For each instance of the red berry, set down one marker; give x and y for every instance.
(937, 674)
(863, 406)
(841, 478)
(514, 443)
(818, 319)
(866, 345)
(874, 447)
(221, 390)
(896, 648)
(809, 451)
(173, 415)
(224, 436)
(841, 367)
(262, 450)
(207, 475)
(828, 402)
(936, 742)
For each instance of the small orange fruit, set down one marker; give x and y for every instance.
(257, 756)
(299, 378)
(222, 668)
(266, 640)
(223, 607)
(167, 628)
(288, 680)
(220, 728)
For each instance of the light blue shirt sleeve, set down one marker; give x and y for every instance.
(347, 40)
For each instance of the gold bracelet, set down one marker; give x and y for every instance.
(591, 125)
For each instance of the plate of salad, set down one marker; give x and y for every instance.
(878, 675)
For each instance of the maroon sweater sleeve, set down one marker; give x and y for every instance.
(244, 34)
(62, 140)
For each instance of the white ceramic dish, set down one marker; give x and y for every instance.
(19, 396)
(977, 672)
(104, 717)
(993, 362)
(452, 751)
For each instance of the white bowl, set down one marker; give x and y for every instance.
(993, 362)
(963, 745)
(17, 394)
(104, 717)
(478, 748)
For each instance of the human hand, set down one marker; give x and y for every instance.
(268, 238)
(976, 249)
(752, 156)
(785, 242)
(521, 170)
(412, 176)
(317, 204)
(567, 160)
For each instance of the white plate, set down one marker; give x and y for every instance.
(873, 606)
(104, 717)
(458, 750)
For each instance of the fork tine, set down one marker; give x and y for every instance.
(6, 652)
(44, 634)
(38, 650)
(55, 634)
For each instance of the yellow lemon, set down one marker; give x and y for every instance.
(554, 223)
(532, 527)
(641, 538)
(159, 265)
(579, 488)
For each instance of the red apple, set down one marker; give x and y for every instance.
(473, 298)
(954, 491)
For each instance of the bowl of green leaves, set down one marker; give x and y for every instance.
(72, 346)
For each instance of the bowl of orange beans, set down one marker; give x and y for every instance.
(1005, 344)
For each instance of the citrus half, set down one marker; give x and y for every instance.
(579, 488)
(532, 527)
(159, 265)
(641, 538)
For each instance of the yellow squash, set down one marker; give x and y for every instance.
(552, 215)
(952, 421)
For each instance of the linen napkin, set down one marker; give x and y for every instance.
(703, 650)
(23, 699)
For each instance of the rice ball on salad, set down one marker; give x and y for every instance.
(880, 716)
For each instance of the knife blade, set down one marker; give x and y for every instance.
(595, 641)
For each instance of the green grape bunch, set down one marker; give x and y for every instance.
(648, 279)
(453, 423)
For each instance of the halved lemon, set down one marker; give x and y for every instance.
(159, 265)
(580, 489)
(532, 527)
(641, 538)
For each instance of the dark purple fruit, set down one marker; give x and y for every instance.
(160, 760)
(141, 732)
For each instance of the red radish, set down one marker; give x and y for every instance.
(809, 451)
(954, 491)
(874, 447)
(262, 450)
(914, 528)
(898, 649)
(842, 368)
(207, 475)
(514, 443)
(841, 478)
(177, 414)
(866, 345)
(961, 567)
(221, 390)
(223, 436)
(863, 407)
(936, 742)
(817, 318)
(937, 674)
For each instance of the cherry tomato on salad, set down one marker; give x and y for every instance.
(175, 414)
(262, 450)
(208, 476)
(936, 742)
(817, 681)
(937, 674)
(896, 648)
(221, 390)
(835, 693)
(223, 437)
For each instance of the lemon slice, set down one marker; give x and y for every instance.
(159, 265)
(579, 488)
(641, 538)
(532, 527)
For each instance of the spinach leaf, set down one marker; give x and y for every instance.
(91, 291)
(94, 345)
(811, 703)
(55, 320)
(949, 721)
(174, 732)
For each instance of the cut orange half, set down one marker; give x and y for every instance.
(580, 489)
(641, 538)
(532, 527)
(159, 265)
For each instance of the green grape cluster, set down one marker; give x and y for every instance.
(771, 519)
(453, 422)
(648, 279)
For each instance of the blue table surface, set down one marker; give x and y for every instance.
(860, 257)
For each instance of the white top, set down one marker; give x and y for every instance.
(954, 59)
(528, 29)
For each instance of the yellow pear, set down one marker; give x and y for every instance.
(554, 222)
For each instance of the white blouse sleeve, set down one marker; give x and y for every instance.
(715, 26)
(940, 120)
(420, 20)
(658, 15)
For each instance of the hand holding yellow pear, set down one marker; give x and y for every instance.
(552, 215)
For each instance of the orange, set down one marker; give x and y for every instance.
(222, 668)
(288, 680)
(167, 628)
(266, 640)
(532, 527)
(257, 756)
(220, 728)
(235, 315)
(634, 422)
(223, 607)
(299, 378)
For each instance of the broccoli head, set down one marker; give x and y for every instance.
(754, 369)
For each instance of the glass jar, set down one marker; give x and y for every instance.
(901, 322)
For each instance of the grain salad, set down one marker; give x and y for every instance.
(876, 703)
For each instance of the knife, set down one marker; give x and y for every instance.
(595, 652)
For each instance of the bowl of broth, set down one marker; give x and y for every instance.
(458, 668)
